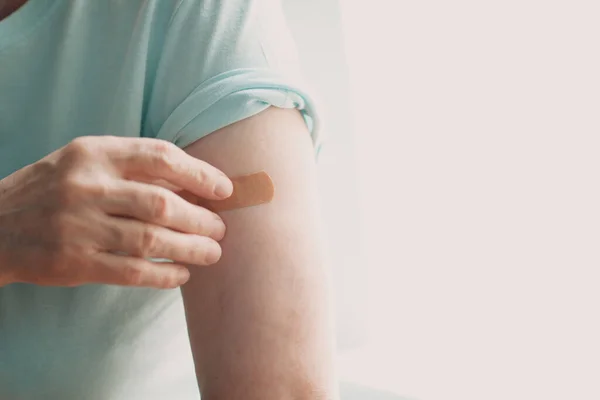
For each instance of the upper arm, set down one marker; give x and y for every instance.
(259, 316)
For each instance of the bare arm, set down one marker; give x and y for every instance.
(259, 319)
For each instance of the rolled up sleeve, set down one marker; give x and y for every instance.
(223, 62)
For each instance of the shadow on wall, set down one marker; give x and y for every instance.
(353, 391)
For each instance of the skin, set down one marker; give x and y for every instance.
(259, 318)
(105, 210)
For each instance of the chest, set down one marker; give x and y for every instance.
(55, 89)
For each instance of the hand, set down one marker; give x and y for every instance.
(92, 212)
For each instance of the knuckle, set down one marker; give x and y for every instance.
(72, 187)
(202, 175)
(166, 281)
(81, 184)
(98, 190)
(163, 146)
(46, 167)
(159, 207)
(148, 242)
(164, 155)
(81, 147)
(133, 274)
(70, 180)
(116, 233)
(193, 256)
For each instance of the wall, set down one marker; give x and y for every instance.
(316, 26)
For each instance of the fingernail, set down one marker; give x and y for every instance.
(183, 276)
(224, 187)
(213, 254)
(219, 230)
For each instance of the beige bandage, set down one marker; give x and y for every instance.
(248, 190)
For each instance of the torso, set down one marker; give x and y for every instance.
(90, 342)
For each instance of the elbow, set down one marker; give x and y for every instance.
(275, 391)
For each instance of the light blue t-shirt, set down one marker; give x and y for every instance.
(171, 69)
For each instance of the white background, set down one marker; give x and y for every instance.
(476, 134)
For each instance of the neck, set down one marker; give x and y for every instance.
(8, 7)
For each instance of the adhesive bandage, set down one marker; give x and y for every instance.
(248, 190)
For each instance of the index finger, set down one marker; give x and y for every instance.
(161, 160)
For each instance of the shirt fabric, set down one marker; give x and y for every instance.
(170, 69)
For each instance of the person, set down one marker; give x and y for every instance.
(112, 285)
